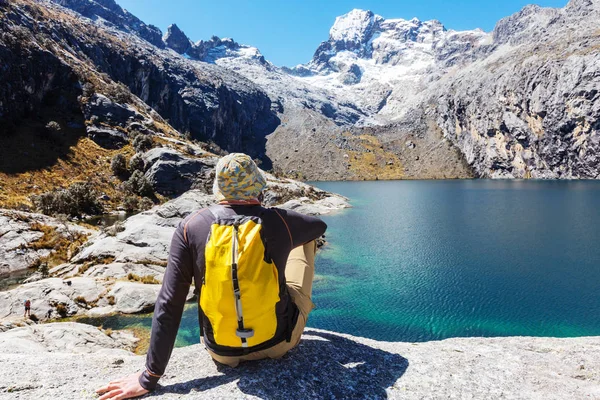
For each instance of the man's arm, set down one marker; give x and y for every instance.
(301, 228)
(165, 323)
(168, 309)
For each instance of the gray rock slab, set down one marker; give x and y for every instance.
(330, 365)
(146, 236)
(47, 293)
(17, 234)
(65, 337)
(304, 205)
(133, 297)
(121, 270)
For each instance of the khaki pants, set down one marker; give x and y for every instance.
(299, 273)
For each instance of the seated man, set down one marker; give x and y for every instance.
(253, 268)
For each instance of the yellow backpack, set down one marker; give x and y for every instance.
(241, 284)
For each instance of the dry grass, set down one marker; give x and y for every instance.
(147, 279)
(143, 334)
(87, 265)
(373, 162)
(62, 247)
(86, 161)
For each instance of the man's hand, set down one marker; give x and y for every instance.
(124, 388)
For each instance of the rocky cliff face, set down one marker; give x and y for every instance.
(64, 52)
(530, 107)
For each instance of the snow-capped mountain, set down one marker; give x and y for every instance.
(384, 63)
(517, 102)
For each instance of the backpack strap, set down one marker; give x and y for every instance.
(287, 227)
(241, 332)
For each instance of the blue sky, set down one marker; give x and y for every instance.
(287, 32)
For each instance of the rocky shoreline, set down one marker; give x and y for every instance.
(325, 365)
(119, 269)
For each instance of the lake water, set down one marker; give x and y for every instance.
(428, 260)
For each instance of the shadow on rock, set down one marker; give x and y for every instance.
(322, 366)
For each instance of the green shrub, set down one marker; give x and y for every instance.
(88, 89)
(118, 165)
(43, 269)
(138, 184)
(79, 198)
(111, 300)
(142, 143)
(136, 163)
(145, 204)
(131, 203)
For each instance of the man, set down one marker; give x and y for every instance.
(289, 244)
(27, 309)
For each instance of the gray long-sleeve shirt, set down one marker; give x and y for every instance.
(282, 231)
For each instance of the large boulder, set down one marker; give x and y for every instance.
(101, 109)
(172, 173)
(134, 297)
(107, 137)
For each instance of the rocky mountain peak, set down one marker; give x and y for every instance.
(368, 36)
(354, 28)
(177, 40)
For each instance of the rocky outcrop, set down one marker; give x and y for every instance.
(120, 269)
(177, 40)
(51, 298)
(21, 234)
(172, 173)
(66, 338)
(328, 365)
(144, 238)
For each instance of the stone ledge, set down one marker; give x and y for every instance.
(331, 365)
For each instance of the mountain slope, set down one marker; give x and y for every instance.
(381, 98)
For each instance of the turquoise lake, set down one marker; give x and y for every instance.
(428, 260)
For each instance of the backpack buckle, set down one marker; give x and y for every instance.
(244, 333)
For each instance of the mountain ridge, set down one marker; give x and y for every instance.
(379, 98)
